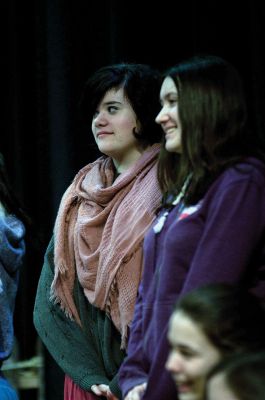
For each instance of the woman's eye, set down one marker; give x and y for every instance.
(112, 109)
(187, 353)
(173, 101)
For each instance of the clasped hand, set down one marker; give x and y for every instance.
(136, 392)
(103, 390)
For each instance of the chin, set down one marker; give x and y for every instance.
(188, 396)
(172, 148)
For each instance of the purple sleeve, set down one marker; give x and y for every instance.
(132, 371)
(228, 250)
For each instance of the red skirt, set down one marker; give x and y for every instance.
(74, 392)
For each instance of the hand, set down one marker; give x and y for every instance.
(136, 392)
(100, 390)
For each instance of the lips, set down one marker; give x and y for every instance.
(170, 129)
(183, 388)
(103, 133)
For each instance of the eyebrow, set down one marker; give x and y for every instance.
(108, 103)
(170, 94)
(167, 96)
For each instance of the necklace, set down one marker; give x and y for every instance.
(162, 219)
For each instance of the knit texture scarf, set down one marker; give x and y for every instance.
(99, 233)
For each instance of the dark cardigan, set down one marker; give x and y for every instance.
(90, 355)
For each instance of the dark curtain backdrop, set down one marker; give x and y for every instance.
(48, 50)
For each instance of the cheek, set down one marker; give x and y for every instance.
(205, 365)
(93, 128)
(199, 369)
(128, 120)
(174, 114)
(128, 124)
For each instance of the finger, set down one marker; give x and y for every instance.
(102, 386)
(96, 390)
(134, 395)
(104, 389)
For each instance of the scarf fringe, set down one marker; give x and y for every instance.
(113, 294)
(124, 338)
(57, 301)
(62, 268)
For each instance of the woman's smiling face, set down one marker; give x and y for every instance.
(192, 355)
(168, 116)
(113, 127)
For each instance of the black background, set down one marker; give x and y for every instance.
(48, 50)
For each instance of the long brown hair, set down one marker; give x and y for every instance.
(213, 116)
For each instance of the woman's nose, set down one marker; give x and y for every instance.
(100, 120)
(174, 363)
(161, 116)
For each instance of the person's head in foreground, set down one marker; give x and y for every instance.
(208, 324)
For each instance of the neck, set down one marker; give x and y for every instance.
(122, 164)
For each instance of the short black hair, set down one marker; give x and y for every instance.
(141, 85)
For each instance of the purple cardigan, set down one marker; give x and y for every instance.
(221, 239)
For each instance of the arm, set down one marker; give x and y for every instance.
(133, 371)
(114, 386)
(12, 250)
(7, 301)
(70, 346)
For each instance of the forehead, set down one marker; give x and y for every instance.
(114, 95)
(168, 86)
(183, 331)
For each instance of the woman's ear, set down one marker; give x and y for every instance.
(137, 128)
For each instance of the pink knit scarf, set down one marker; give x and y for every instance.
(99, 233)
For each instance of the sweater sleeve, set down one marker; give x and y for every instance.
(70, 346)
(230, 247)
(134, 369)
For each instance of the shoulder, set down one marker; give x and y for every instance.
(12, 244)
(244, 180)
(101, 161)
(99, 167)
(11, 228)
(249, 171)
(250, 168)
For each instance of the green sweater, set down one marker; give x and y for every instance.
(89, 355)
